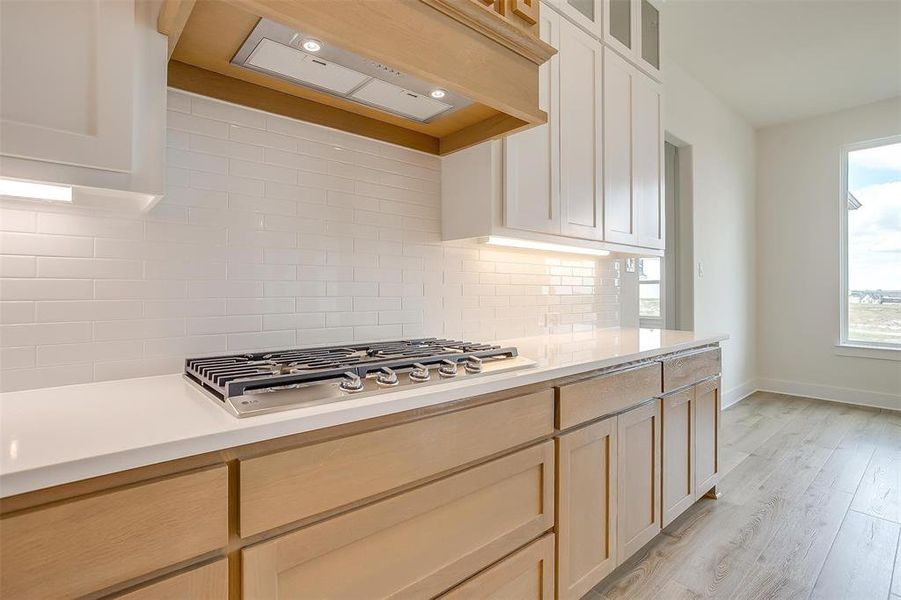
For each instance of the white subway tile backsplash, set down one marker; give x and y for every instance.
(17, 266)
(45, 245)
(16, 312)
(16, 358)
(272, 233)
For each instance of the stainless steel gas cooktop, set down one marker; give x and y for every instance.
(262, 382)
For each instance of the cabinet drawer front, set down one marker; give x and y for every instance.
(527, 574)
(209, 582)
(689, 368)
(88, 544)
(288, 486)
(415, 544)
(607, 394)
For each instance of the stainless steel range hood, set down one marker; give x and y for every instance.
(300, 58)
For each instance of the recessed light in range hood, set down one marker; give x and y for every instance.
(279, 51)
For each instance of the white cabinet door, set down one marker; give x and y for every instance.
(581, 192)
(620, 213)
(647, 168)
(531, 158)
(67, 89)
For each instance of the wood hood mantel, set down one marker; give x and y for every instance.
(485, 50)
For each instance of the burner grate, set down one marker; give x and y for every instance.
(233, 375)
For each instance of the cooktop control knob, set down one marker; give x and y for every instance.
(351, 383)
(473, 364)
(386, 377)
(420, 373)
(448, 368)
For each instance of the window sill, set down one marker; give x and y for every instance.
(863, 351)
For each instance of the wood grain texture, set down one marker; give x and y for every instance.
(706, 416)
(216, 85)
(678, 454)
(209, 582)
(172, 20)
(860, 563)
(288, 486)
(608, 394)
(527, 574)
(783, 507)
(75, 548)
(586, 507)
(638, 478)
(690, 367)
(389, 548)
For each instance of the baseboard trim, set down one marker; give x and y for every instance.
(738, 393)
(830, 393)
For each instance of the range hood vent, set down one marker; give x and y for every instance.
(278, 51)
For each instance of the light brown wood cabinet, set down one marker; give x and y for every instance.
(690, 367)
(288, 486)
(527, 574)
(678, 453)
(638, 478)
(586, 507)
(607, 394)
(417, 544)
(208, 582)
(84, 546)
(707, 428)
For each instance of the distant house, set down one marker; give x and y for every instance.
(853, 203)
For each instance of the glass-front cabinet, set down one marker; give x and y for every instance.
(632, 28)
(588, 14)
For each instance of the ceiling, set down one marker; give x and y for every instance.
(779, 60)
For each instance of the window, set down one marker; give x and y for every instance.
(871, 245)
(650, 306)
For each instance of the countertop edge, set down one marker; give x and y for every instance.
(29, 480)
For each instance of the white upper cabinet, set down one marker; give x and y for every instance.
(632, 28)
(590, 177)
(581, 152)
(633, 147)
(647, 169)
(83, 94)
(620, 213)
(588, 14)
(531, 158)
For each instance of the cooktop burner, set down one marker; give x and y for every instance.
(260, 382)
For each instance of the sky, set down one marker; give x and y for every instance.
(874, 230)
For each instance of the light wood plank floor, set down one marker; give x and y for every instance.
(811, 508)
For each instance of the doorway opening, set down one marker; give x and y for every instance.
(666, 285)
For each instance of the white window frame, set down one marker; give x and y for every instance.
(845, 346)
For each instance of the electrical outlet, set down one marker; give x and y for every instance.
(700, 270)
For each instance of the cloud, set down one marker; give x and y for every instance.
(874, 238)
(880, 157)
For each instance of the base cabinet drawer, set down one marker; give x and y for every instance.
(607, 394)
(638, 478)
(416, 544)
(678, 451)
(586, 507)
(707, 433)
(691, 367)
(209, 582)
(289, 486)
(527, 574)
(85, 545)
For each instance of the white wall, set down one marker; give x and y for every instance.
(272, 233)
(723, 183)
(798, 259)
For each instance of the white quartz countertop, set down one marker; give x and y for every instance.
(58, 435)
